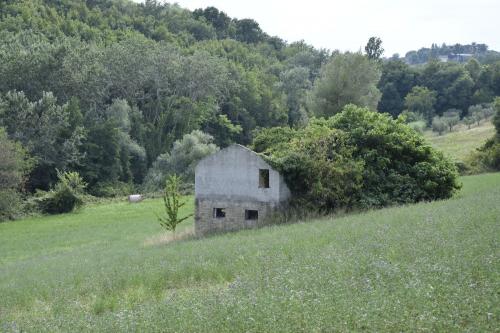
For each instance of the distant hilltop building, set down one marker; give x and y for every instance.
(236, 189)
(457, 57)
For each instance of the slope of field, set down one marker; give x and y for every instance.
(462, 141)
(425, 267)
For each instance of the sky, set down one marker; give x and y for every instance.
(348, 24)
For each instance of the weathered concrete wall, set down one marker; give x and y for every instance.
(206, 223)
(229, 179)
(233, 173)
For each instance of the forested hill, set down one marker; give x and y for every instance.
(125, 80)
(125, 93)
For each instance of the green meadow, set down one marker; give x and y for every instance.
(462, 141)
(109, 267)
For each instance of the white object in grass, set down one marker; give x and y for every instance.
(135, 198)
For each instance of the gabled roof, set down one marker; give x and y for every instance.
(233, 146)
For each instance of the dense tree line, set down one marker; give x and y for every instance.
(436, 87)
(105, 87)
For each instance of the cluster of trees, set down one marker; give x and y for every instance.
(106, 87)
(126, 93)
(436, 88)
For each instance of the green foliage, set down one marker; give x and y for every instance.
(316, 162)
(451, 83)
(450, 52)
(172, 202)
(106, 87)
(439, 125)
(14, 167)
(487, 158)
(112, 189)
(469, 121)
(374, 49)
(496, 118)
(66, 195)
(44, 128)
(418, 126)
(421, 100)
(396, 81)
(224, 130)
(11, 205)
(451, 118)
(347, 78)
(400, 166)
(358, 158)
(182, 159)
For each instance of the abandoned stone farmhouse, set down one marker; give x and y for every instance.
(236, 189)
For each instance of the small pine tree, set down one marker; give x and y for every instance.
(172, 202)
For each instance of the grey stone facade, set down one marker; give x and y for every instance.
(236, 189)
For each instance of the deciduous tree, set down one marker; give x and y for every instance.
(347, 78)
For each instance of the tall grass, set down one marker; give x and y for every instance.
(430, 266)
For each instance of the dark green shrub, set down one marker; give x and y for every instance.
(357, 158)
(10, 204)
(15, 165)
(316, 162)
(112, 189)
(63, 200)
(399, 165)
(66, 195)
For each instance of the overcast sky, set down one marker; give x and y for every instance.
(346, 25)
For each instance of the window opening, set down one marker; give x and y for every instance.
(219, 213)
(264, 178)
(251, 214)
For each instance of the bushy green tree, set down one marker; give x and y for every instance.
(346, 78)
(45, 129)
(451, 82)
(14, 167)
(421, 100)
(374, 49)
(438, 125)
(400, 166)
(295, 83)
(181, 160)
(316, 162)
(66, 195)
(358, 158)
(476, 113)
(469, 121)
(451, 118)
(395, 83)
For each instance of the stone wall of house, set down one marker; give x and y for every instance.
(230, 179)
(206, 223)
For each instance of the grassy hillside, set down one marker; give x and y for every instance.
(461, 142)
(430, 266)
